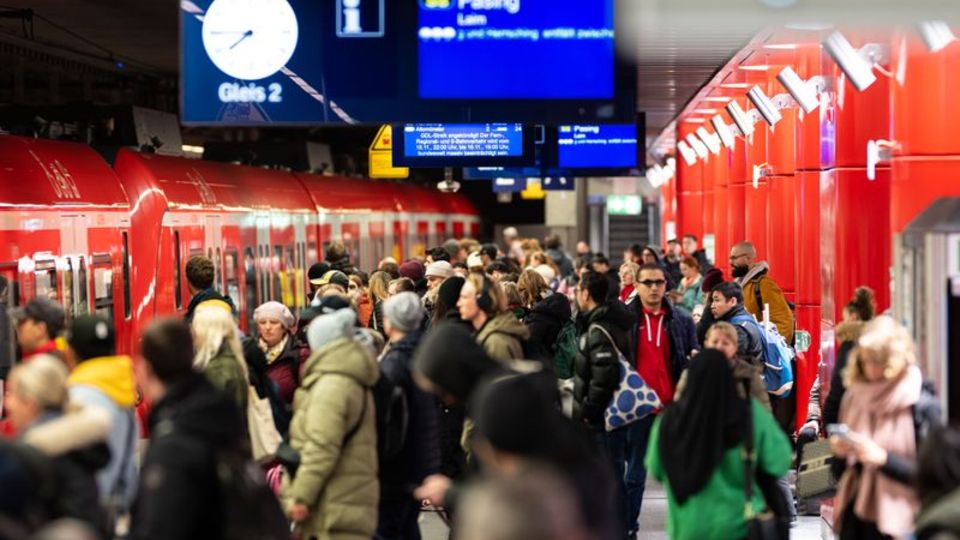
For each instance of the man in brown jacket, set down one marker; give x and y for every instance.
(760, 289)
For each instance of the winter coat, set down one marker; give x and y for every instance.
(502, 338)
(749, 342)
(680, 330)
(545, 320)
(596, 368)
(108, 382)
(191, 426)
(701, 256)
(706, 321)
(266, 387)
(376, 317)
(562, 261)
(334, 431)
(284, 371)
(780, 313)
(847, 335)
(745, 374)
(364, 310)
(692, 295)
(672, 271)
(940, 520)
(203, 296)
(227, 375)
(420, 456)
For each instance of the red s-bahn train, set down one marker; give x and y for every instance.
(115, 241)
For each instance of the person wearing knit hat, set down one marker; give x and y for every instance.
(403, 312)
(276, 312)
(546, 273)
(437, 272)
(335, 491)
(275, 329)
(412, 270)
(475, 262)
(711, 279)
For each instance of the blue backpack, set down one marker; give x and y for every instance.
(777, 356)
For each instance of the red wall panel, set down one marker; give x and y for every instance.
(755, 217)
(808, 258)
(916, 183)
(781, 233)
(924, 106)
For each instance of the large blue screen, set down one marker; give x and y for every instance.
(520, 49)
(611, 146)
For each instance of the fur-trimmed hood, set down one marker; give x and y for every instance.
(849, 331)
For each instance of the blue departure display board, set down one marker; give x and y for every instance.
(612, 146)
(448, 145)
(522, 49)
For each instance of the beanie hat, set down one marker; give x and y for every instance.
(327, 328)
(91, 336)
(275, 310)
(474, 261)
(404, 311)
(711, 279)
(441, 269)
(546, 273)
(412, 270)
(449, 291)
(44, 310)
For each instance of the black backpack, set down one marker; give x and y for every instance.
(393, 417)
(249, 509)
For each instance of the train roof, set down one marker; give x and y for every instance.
(197, 184)
(46, 173)
(353, 194)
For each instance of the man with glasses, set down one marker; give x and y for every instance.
(760, 289)
(663, 340)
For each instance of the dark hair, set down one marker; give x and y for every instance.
(938, 473)
(863, 303)
(635, 249)
(459, 264)
(651, 266)
(498, 266)
(490, 250)
(691, 262)
(653, 251)
(447, 296)
(167, 346)
(336, 251)
(600, 259)
(730, 289)
(439, 254)
(596, 285)
(691, 236)
(391, 268)
(200, 272)
(404, 284)
(552, 241)
(510, 277)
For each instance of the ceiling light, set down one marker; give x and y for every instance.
(711, 140)
(704, 111)
(735, 85)
(936, 35)
(754, 68)
(806, 93)
(857, 65)
(718, 99)
(723, 131)
(697, 145)
(694, 120)
(689, 156)
(743, 120)
(781, 46)
(768, 109)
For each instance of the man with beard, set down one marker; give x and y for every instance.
(760, 289)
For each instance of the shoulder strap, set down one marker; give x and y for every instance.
(758, 294)
(609, 337)
(363, 412)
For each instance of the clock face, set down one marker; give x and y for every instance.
(250, 39)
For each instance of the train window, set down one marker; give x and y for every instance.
(177, 292)
(232, 274)
(126, 277)
(83, 307)
(9, 285)
(45, 274)
(103, 291)
(68, 307)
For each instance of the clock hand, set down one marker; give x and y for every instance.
(245, 35)
(228, 31)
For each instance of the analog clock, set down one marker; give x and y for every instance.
(250, 39)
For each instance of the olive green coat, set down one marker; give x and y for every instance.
(227, 375)
(502, 338)
(337, 478)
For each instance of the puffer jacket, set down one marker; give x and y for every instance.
(502, 338)
(227, 375)
(596, 369)
(337, 476)
(545, 320)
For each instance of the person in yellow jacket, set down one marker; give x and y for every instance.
(100, 378)
(751, 274)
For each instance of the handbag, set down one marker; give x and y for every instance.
(763, 526)
(633, 399)
(815, 477)
(264, 437)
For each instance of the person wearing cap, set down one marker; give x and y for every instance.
(332, 282)
(475, 263)
(412, 270)
(435, 274)
(38, 324)
(200, 276)
(420, 455)
(100, 378)
(316, 271)
(488, 253)
(282, 354)
(334, 492)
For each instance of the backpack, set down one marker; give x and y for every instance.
(393, 418)
(565, 350)
(777, 356)
(249, 510)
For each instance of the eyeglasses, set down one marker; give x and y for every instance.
(735, 257)
(653, 283)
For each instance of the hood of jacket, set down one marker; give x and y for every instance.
(112, 375)
(761, 268)
(849, 331)
(193, 407)
(555, 305)
(343, 356)
(451, 359)
(505, 323)
(613, 313)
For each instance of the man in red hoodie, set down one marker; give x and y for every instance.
(38, 324)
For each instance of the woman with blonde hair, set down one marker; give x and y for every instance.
(628, 282)
(884, 414)
(378, 291)
(484, 305)
(219, 354)
(547, 312)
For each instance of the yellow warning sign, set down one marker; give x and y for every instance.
(534, 190)
(381, 156)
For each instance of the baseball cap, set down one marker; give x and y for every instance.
(474, 261)
(91, 336)
(316, 272)
(334, 277)
(41, 310)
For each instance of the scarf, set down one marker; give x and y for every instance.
(882, 411)
(706, 422)
(272, 353)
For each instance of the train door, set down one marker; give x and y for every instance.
(9, 298)
(73, 266)
(926, 266)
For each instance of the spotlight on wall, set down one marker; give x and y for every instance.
(742, 119)
(857, 65)
(723, 131)
(697, 145)
(689, 156)
(709, 139)
(936, 35)
(768, 109)
(806, 93)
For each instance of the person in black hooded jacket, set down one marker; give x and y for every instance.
(546, 313)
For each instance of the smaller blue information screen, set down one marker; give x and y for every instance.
(463, 141)
(612, 146)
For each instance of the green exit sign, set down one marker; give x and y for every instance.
(624, 205)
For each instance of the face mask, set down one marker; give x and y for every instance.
(740, 271)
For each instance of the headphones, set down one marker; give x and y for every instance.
(484, 301)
